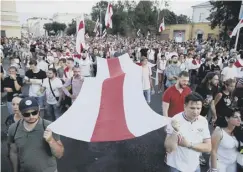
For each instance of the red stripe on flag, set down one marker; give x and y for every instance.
(114, 67)
(111, 122)
(81, 25)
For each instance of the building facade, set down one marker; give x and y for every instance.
(10, 25)
(35, 26)
(199, 28)
(65, 17)
(201, 12)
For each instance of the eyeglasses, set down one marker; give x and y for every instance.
(30, 113)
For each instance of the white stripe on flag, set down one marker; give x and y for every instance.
(140, 119)
(79, 120)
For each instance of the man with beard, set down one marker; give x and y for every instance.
(72, 86)
(32, 147)
(85, 63)
(53, 89)
(172, 71)
(94, 59)
(174, 96)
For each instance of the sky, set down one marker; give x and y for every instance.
(45, 8)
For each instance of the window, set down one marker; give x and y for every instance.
(201, 19)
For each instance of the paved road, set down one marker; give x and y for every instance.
(143, 154)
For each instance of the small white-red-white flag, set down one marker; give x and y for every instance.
(80, 42)
(108, 16)
(97, 25)
(162, 25)
(87, 36)
(104, 33)
(138, 32)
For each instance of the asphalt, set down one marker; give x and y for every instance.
(143, 154)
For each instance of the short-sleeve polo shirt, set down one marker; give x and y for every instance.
(33, 151)
(175, 99)
(185, 159)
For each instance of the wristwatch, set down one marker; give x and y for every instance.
(190, 146)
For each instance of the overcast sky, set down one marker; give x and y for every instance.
(45, 8)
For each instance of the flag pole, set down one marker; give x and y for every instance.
(100, 21)
(237, 38)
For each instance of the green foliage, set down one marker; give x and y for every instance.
(225, 15)
(129, 16)
(89, 27)
(54, 26)
(71, 30)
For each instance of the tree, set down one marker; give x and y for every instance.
(71, 30)
(54, 26)
(48, 27)
(225, 15)
(183, 19)
(89, 27)
(58, 27)
(129, 16)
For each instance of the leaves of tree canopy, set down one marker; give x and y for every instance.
(225, 14)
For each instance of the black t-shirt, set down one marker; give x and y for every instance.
(208, 96)
(144, 52)
(9, 83)
(32, 48)
(215, 68)
(39, 75)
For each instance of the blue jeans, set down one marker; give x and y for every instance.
(10, 108)
(40, 101)
(172, 169)
(53, 112)
(147, 95)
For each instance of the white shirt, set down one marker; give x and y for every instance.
(85, 66)
(185, 159)
(55, 84)
(42, 65)
(146, 73)
(229, 73)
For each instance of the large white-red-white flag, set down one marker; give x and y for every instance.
(108, 16)
(237, 27)
(162, 25)
(104, 109)
(80, 41)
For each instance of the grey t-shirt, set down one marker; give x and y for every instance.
(34, 152)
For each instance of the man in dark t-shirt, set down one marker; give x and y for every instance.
(12, 85)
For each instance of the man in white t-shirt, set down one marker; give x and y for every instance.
(53, 88)
(187, 136)
(85, 64)
(35, 77)
(229, 72)
(146, 79)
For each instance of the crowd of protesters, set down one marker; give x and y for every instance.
(201, 84)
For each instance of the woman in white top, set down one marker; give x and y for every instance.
(224, 143)
(161, 64)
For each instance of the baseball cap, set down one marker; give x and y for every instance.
(231, 60)
(28, 103)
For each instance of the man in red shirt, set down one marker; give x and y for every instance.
(174, 97)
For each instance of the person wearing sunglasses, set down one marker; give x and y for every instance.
(32, 146)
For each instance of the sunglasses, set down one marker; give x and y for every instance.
(30, 113)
